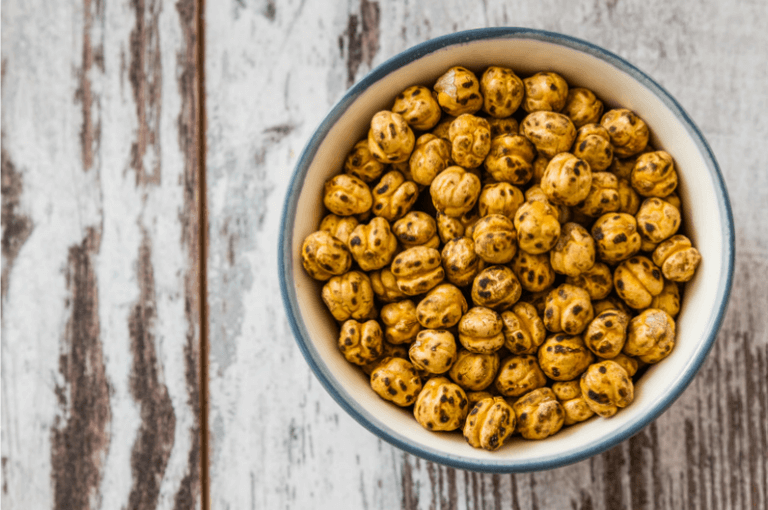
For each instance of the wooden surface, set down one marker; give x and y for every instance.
(101, 304)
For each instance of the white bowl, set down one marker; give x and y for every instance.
(706, 210)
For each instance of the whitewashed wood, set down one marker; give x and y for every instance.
(100, 325)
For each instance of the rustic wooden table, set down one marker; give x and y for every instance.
(107, 349)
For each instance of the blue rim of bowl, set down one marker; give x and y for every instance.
(373, 424)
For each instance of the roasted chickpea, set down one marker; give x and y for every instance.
(495, 239)
(480, 331)
(654, 174)
(433, 351)
(539, 414)
(469, 220)
(616, 237)
(460, 261)
(360, 343)
(551, 133)
(629, 200)
(388, 351)
(506, 126)
(563, 357)
(537, 227)
(629, 134)
(669, 299)
(396, 380)
(361, 163)
(651, 336)
(496, 287)
(606, 334)
(470, 140)
(449, 227)
(539, 167)
(490, 422)
(417, 270)
(474, 371)
(612, 302)
(518, 375)
(454, 191)
(536, 194)
(606, 387)
(646, 245)
(390, 139)
(574, 405)
(603, 195)
(442, 128)
(597, 281)
(442, 307)
(339, 227)
(523, 330)
(441, 405)
(567, 180)
(628, 363)
(417, 229)
(500, 198)
(534, 272)
(324, 256)
(502, 91)
(458, 92)
(677, 258)
(431, 156)
(349, 296)
(510, 159)
(373, 245)
(593, 145)
(476, 396)
(582, 107)
(574, 252)
(385, 287)
(418, 107)
(346, 195)
(401, 324)
(568, 309)
(545, 91)
(674, 199)
(637, 280)
(393, 196)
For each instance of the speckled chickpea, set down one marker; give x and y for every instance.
(496, 287)
(603, 195)
(349, 296)
(629, 200)
(442, 307)
(612, 302)
(677, 258)
(454, 191)
(606, 387)
(361, 163)
(417, 270)
(567, 179)
(458, 91)
(373, 245)
(574, 405)
(545, 91)
(629, 134)
(606, 334)
(539, 414)
(563, 357)
(390, 139)
(593, 145)
(518, 375)
(417, 229)
(443, 127)
(339, 227)
(500, 198)
(449, 227)
(646, 245)
(669, 299)
(460, 261)
(523, 329)
(637, 280)
(651, 336)
(431, 156)
(360, 343)
(537, 227)
(510, 159)
(324, 256)
(654, 174)
(345, 195)
(551, 133)
(490, 422)
(385, 287)
(396, 380)
(495, 239)
(536, 194)
(582, 107)
(628, 363)
(569, 309)
(476, 396)
(393, 196)
(574, 251)
(388, 351)
(534, 272)
(419, 107)
(433, 351)
(474, 371)
(506, 126)
(441, 405)
(400, 323)
(470, 140)
(616, 237)
(657, 219)
(502, 91)
(597, 281)
(480, 330)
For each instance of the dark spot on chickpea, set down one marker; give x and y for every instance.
(649, 227)
(602, 370)
(620, 284)
(549, 313)
(655, 274)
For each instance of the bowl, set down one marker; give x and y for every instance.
(706, 211)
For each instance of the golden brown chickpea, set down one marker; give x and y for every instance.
(657, 219)
(388, 351)
(339, 227)
(574, 405)
(495, 239)
(654, 174)
(616, 237)
(510, 159)
(385, 287)
(539, 414)
(476, 396)
(349, 296)
(500, 198)
(396, 380)
(651, 336)
(449, 227)
(574, 251)
(677, 258)
(441, 405)
(454, 191)
(496, 287)
(593, 145)
(418, 107)
(629, 200)
(603, 195)
(539, 167)
(390, 139)
(474, 371)
(518, 375)
(507, 126)
(563, 357)
(442, 128)
(629, 134)
(568, 309)
(502, 91)
(628, 363)
(536, 194)
(361, 163)
(324, 256)
(551, 133)
(669, 299)
(346, 195)
(637, 280)
(490, 422)
(460, 261)
(469, 220)
(537, 227)
(607, 333)
(401, 324)
(523, 330)
(360, 343)
(470, 140)
(431, 156)
(597, 281)
(567, 179)
(612, 302)
(433, 351)
(458, 92)
(373, 245)
(480, 331)
(393, 196)
(646, 245)
(674, 199)
(417, 270)
(582, 107)
(442, 307)
(534, 272)
(545, 91)
(606, 387)
(417, 229)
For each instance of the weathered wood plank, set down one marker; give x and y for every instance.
(100, 282)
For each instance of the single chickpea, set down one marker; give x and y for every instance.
(654, 174)
(361, 163)
(539, 167)
(573, 402)
(674, 199)
(606, 387)
(500, 198)
(349, 296)
(470, 140)
(506, 126)
(567, 180)
(510, 159)
(669, 299)
(518, 375)
(339, 227)
(677, 258)
(460, 261)
(612, 302)
(442, 127)
(637, 280)
(582, 107)
(417, 270)
(476, 396)
(324, 256)
(646, 245)
(458, 92)
(417, 229)
(629, 200)
(441, 405)
(396, 380)
(616, 237)
(390, 139)
(593, 145)
(490, 422)
(431, 156)
(563, 357)
(393, 196)
(346, 195)
(401, 324)
(523, 329)
(373, 245)
(502, 91)
(496, 287)
(418, 107)
(539, 414)
(545, 91)
(534, 272)
(360, 343)
(495, 239)
(597, 281)
(629, 134)
(449, 227)
(651, 336)
(474, 371)
(628, 363)
(442, 307)
(574, 252)
(606, 334)
(657, 219)
(538, 228)
(569, 309)
(454, 191)
(536, 194)
(603, 195)
(480, 331)
(551, 133)
(433, 351)
(385, 287)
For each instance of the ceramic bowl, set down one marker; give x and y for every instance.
(706, 212)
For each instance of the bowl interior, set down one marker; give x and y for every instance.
(704, 214)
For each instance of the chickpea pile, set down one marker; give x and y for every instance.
(503, 255)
